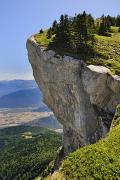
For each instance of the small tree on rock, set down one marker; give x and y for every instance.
(41, 31)
(61, 39)
(49, 33)
(83, 33)
(104, 28)
(54, 27)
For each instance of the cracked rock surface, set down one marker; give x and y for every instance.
(83, 98)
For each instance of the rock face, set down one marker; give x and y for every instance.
(83, 98)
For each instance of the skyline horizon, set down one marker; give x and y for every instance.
(16, 77)
(7, 80)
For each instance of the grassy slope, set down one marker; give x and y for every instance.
(98, 161)
(42, 39)
(108, 49)
(26, 151)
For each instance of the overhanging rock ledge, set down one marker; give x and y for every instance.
(83, 98)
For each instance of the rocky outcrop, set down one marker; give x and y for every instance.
(83, 98)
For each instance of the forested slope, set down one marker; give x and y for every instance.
(25, 152)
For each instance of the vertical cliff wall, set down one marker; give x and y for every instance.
(83, 98)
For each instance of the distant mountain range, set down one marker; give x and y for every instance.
(7, 87)
(26, 95)
(22, 98)
(20, 94)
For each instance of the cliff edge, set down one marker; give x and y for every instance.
(83, 98)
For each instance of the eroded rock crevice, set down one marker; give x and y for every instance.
(83, 98)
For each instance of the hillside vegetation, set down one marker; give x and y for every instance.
(99, 161)
(25, 152)
(108, 49)
(81, 38)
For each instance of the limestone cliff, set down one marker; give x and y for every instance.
(83, 98)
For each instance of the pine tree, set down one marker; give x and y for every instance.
(111, 20)
(104, 28)
(74, 34)
(54, 27)
(83, 36)
(118, 21)
(41, 31)
(107, 24)
(49, 33)
(62, 33)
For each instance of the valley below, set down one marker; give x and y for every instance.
(29, 132)
(27, 116)
(21, 103)
(20, 116)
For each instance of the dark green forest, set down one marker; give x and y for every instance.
(25, 152)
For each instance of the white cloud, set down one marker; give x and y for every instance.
(11, 76)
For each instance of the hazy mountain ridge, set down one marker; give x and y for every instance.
(20, 93)
(24, 105)
(22, 98)
(7, 87)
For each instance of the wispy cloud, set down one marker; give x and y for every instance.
(11, 76)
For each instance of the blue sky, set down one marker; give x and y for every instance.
(21, 18)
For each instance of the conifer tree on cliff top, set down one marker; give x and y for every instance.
(118, 21)
(83, 38)
(75, 34)
(104, 26)
(54, 26)
(62, 33)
